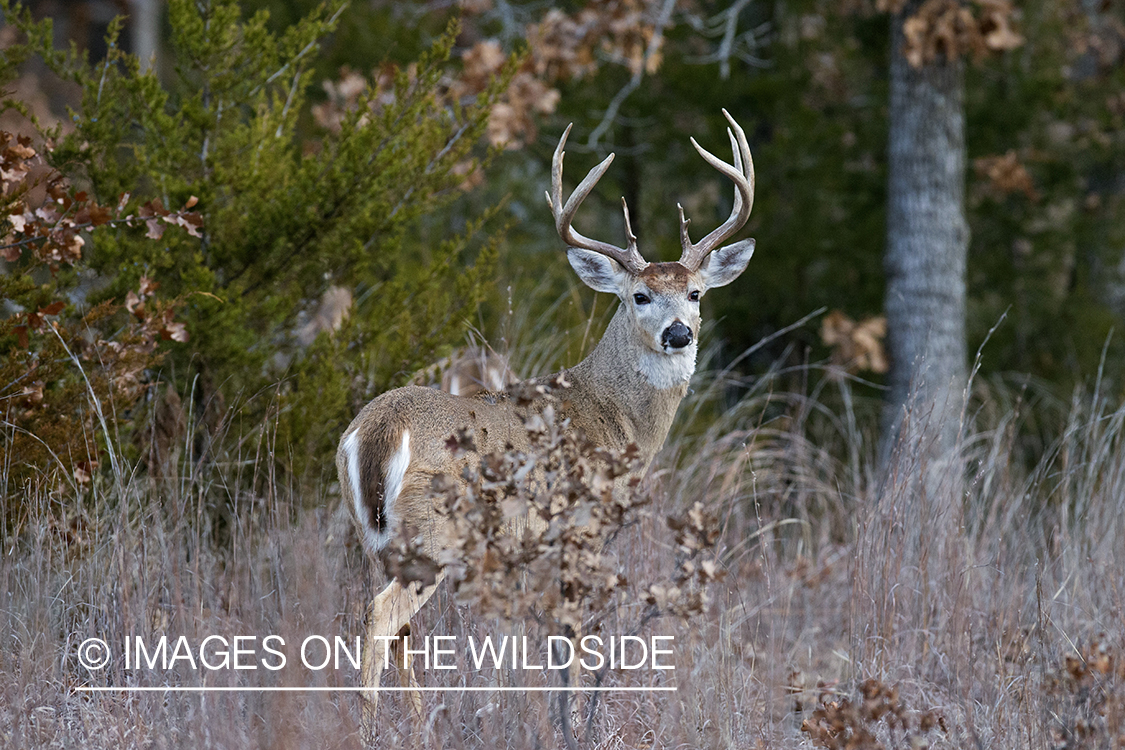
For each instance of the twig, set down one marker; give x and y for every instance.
(97, 410)
(307, 49)
(730, 28)
(101, 83)
(725, 25)
(654, 44)
(430, 166)
(288, 103)
(128, 221)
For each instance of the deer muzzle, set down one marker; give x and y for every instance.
(676, 336)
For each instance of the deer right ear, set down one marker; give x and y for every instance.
(725, 264)
(599, 272)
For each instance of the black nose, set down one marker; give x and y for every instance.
(676, 336)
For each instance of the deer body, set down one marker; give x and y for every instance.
(625, 392)
(615, 397)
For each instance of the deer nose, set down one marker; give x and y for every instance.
(676, 336)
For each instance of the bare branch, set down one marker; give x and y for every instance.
(654, 44)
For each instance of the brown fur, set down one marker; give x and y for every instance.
(665, 278)
(607, 399)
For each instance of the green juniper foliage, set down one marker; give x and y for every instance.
(285, 216)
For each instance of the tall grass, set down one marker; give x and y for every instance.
(967, 596)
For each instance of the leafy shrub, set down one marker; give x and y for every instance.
(530, 534)
(60, 364)
(1087, 697)
(862, 723)
(529, 531)
(284, 215)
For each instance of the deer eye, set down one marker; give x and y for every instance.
(694, 296)
(641, 299)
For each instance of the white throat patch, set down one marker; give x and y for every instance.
(668, 370)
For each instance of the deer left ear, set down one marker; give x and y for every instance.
(599, 272)
(724, 265)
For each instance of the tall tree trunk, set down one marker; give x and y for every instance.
(927, 239)
(145, 27)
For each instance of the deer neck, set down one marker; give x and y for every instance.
(637, 391)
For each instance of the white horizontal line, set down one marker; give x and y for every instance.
(287, 689)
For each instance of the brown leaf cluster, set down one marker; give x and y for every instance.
(855, 346)
(950, 29)
(160, 320)
(566, 47)
(511, 121)
(57, 363)
(854, 723)
(51, 231)
(48, 404)
(529, 529)
(561, 47)
(16, 155)
(153, 323)
(1088, 689)
(527, 532)
(695, 533)
(344, 94)
(1005, 175)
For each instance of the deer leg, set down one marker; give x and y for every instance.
(404, 662)
(374, 659)
(388, 615)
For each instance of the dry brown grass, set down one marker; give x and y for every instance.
(862, 607)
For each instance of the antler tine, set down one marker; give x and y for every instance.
(629, 257)
(742, 174)
(630, 238)
(685, 239)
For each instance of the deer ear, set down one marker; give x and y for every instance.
(725, 264)
(599, 272)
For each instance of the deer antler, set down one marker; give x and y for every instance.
(742, 174)
(629, 257)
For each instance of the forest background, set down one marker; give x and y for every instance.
(226, 226)
(1043, 113)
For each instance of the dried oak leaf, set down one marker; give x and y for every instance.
(174, 331)
(995, 22)
(1005, 174)
(855, 346)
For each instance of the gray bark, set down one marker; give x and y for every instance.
(927, 239)
(145, 30)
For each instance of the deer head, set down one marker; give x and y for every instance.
(662, 298)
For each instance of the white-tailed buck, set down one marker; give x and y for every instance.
(626, 392)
